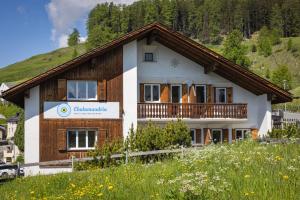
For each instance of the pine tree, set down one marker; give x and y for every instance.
(99, 36)
(282, 75)
(73, 39)
(75, 53)
(276, 19)
(234, 50)
(264, 42)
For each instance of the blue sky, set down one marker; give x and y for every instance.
(30, 27)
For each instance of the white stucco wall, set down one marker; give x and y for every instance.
(189, 72)
(32, 123)
(129, 86)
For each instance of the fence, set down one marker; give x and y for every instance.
(127, 155)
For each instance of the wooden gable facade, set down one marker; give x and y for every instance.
(107, 70)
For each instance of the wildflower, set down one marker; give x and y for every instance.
(247, 176)
(285, 177)
(100, 194)
(72, 185)
(278, 158)
(32, 192)
(110, 187)
(246, 194)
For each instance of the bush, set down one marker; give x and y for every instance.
(152, 137)
(253, 48)
(102, 156)
(289, 44)
(289, 131)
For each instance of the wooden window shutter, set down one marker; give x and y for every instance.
(198, 136)
(142, 93)
(164, 93)
(184, 93)
(61, 139)
(207, 136)
(210, 93)
(102, 136)
(102, 90)
(62, 89)
(229, 95)
(254, 133)
(233, 135)
(225, 135)
(192, 93)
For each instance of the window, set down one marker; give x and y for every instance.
(241, 134)
(217, 135)
(152, 92)
(81, 139)
(149, 57)
(220, 95)
(200, 93)
(193, 136)
(82, 90)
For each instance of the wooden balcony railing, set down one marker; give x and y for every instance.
(190, 110)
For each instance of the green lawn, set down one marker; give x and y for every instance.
(240, 171)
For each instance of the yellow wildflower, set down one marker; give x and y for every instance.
(110, 187)
(32, 192)
(73, 185)
(285, 177)
(247, 176)
(99, 195)
(246, 194)
(278, 158)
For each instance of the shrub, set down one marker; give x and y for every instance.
(102, 156)
(152, 137)
(253, 48)
(289, 131)
(289, 44)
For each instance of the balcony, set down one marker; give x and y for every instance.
(191, 111)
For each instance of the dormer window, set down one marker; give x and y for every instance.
(149, 57)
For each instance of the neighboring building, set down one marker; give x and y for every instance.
(10, 150)
(280, 118)
(2, 133)
(4, 87)
(152, 74)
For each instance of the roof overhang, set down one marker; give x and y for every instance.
(210, 60)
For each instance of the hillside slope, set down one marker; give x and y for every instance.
(35, 65)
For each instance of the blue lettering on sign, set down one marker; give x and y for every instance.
(87, 109)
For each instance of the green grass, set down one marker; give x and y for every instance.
(35, 65)
(240, 171)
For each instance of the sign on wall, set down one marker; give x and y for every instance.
(81, 110)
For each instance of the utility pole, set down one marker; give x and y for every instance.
(284, 87)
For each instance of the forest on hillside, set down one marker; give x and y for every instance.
(205, 20)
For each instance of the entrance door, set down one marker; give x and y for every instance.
(216, 135)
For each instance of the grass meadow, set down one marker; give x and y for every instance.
(245, 170)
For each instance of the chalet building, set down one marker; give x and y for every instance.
(152, 73)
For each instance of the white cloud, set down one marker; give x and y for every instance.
(82, 39)
(63, 41)
(65, 13)
(21, 9)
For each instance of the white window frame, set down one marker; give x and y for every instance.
(86, 139)
(243, 132)
(204, 86)
(151, 91)
(180, 92)
(195, 140)
(212, 135)
(217, 98)
(86, 88)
